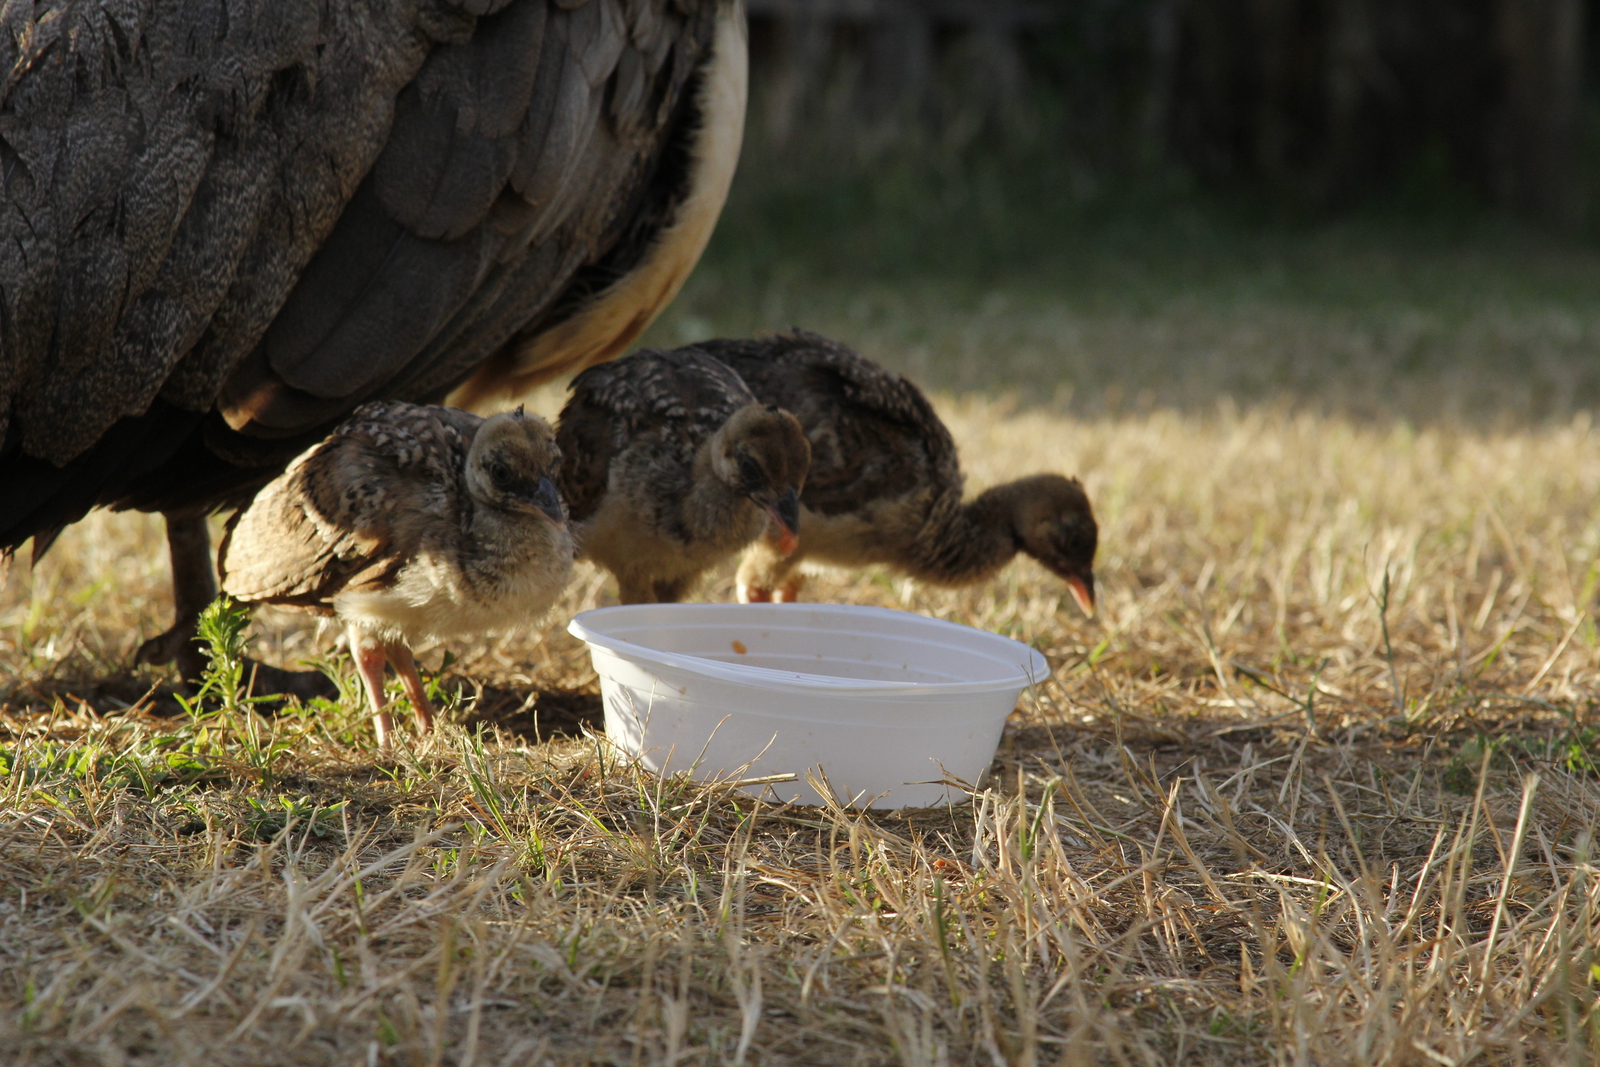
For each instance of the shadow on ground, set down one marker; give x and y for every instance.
(536, 716)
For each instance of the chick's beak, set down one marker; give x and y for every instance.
(1082, 586)
(786, 517)
(548, 500)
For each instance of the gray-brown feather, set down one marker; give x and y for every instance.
(874, 436)
(276, 209)
(353, 510)
(410, 257)
(122, 110)
(663, 403)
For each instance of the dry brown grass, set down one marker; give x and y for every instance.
(1317, 787)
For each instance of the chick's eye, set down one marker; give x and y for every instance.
(750, 471)
(499, 473)
(1074, 538)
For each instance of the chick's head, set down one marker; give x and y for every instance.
(762, 453)
(1055, 525)
(513, 463)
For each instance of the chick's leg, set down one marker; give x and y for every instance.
(371, 657)
(632, 589)
(766, 574)
(406, 667)
(789, 591)
(671, 590)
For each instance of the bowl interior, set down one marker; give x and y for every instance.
(816, 644)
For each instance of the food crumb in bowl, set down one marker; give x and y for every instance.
(738, 646)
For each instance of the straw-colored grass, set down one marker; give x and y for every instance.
(1317, 787)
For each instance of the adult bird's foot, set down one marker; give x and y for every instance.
(263, 679)
(168, 646)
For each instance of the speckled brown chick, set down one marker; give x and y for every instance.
(670, 465)
(885, 485)
(409, 522)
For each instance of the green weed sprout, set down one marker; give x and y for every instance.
(222, 628)
(222, 693)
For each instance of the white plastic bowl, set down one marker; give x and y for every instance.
(883, 705)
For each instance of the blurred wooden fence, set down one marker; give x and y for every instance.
(1319, 100)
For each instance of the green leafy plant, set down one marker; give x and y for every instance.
(152, 763)
(221, 694)
(221, 629)
(268, 820)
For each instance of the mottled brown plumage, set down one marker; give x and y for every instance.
(225, 224)
(409, 522)
(671, 465)
(885, 485)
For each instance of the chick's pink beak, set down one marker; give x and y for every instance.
(785, 538)
(785, 514)
(1083, 593)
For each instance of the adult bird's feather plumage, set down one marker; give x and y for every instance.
(224, 224)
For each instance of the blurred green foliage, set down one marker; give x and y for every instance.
(1001, 263)
(1147, 204)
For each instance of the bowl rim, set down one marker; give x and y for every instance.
(1034, 671)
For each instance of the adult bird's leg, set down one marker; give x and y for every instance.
(194, 585)
(371, 656)
(406, 668)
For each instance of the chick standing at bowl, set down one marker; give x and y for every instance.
(409, 522)
(885, 485)
(670, 465)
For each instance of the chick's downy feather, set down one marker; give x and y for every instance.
(657, 406)
(886, 486)
(671, 464)
(378, 524)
